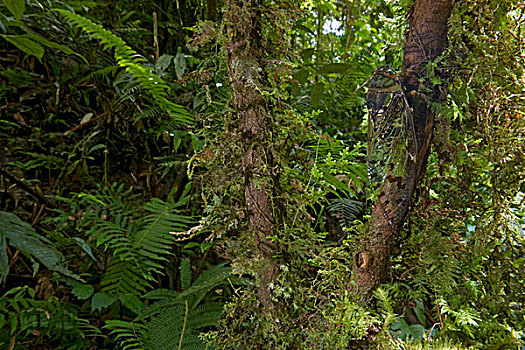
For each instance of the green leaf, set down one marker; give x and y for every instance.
(307, 54)
(16, 7)
(519, 262)
(132, 302)
(82, 291)
(199, 99)
(334, 68)
(163, 62)
(436, 80)
(304, 28)
(332, 180)
(180, 63)
(317, 94)
(23, 237)
(301, 76)
(102, 300)
(26, 45)
(52, 45)
(419, 310)
(192, 245)
(294, 88)
(85, 246)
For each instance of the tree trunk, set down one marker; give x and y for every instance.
(426, 40)
(246, 68)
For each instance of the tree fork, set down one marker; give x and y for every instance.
(426, 40)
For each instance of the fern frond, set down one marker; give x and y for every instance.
(207, 280)
(22, 313)
(167, 342)
(139, 246)
(100, 73)
(431, 344)
(178, 325)
(166, 329)
(205, 315)
(108, 233)
(345, 210)
(154, 240)
(126, 88)
(171, 304)
(112, 199)
(132, 336)
(148, 246)
(201, 287)
(185, 274)
(133, 63)
(126, 276)
(504, 340)
(162, 294)
(148, 113)
(161, 305)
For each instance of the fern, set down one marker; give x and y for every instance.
(133, 63)
(130, 335)
(345, 210)
(140, 245)
(209, 279)
(148, 113)
(176, 317)
(185, 274)
(176, 326)
(22, 313)
(154, 237)
(100, 73)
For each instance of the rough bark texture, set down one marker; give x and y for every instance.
(426, 40)
(246, 62)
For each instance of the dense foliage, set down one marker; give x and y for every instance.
(123, 220)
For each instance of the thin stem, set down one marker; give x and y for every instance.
(184, 325)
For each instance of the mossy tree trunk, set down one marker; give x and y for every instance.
(246, 63)
(426, 40)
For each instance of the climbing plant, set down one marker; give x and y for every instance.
(204, 174)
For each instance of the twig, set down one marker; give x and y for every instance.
(28, 189)
(155, 36)
(91, 121)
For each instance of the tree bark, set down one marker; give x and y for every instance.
(246, 68)
(426, 40)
